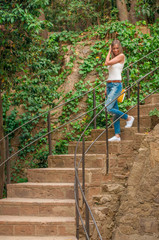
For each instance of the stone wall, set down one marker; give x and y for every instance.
(138, 215)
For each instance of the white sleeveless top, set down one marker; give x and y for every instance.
(115, 71)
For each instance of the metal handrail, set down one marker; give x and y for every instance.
(83, 195)
(81, 219)
(139, 80)
(115, 122)
(49, 132)
(48, 112)
(77, 183)
(119, 117)
(71, 99)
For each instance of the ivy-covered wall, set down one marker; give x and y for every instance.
(39, 87)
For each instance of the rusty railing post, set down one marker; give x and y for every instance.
(138, 106)
(8, 162)
(94, 105)
(107, 146)
(77, 205)
(87, 219)
(49, 135)
(83, 165)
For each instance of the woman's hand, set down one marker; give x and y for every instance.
(108, 56)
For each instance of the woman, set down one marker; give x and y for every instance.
(114, 86)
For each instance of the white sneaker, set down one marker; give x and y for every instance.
(130, 122)
(114, 139)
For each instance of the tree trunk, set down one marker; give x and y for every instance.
(123, 12)
(132, 13)
(157, 14)
(2, 147)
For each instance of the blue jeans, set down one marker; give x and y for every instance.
(114, 90)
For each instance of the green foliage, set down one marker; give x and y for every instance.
(71, 37)
(40, 158)
(32, 90)
(154, 112)
(114, 13)
(147, 9)
(19, 29)
(61, 147)
(35, 88)
(73, 15)
(135, 45)
(127, 35)
(29, 68)
(11, 122)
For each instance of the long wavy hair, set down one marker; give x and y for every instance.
(120, 47)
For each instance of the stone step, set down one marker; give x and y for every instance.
(126, 133)
(117, 164)
(144, 109)
(60, 175)
(37, 207)
(100, 147)
(41, 190)
(67, 160)
(152, 99)
(51, 175)
(36, 226)
(37, 238)
(145, 121)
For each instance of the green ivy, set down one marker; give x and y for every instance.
(154, 112)
(135, 45)
(36, 88)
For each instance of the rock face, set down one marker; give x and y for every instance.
(138, 215)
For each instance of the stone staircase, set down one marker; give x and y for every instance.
(44, 207)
